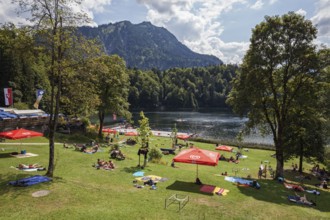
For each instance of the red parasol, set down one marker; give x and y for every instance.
(20, 134)
(198, 156)
(224, 148)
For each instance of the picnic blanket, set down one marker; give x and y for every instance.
(220, 191)
(213, 190)
(242, 182)
(207, 188)
(154, 178)
(30, 181)
(24, 155)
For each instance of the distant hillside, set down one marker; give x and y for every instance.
(146, 46)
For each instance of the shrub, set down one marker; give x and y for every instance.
(155, 154)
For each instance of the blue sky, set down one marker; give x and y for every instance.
(218, 27)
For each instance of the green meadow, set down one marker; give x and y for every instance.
(79, 191)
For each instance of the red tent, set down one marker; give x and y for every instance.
(224, 148)
(198, 156)
(132, 133)
(109, 130)
(20, 134)
(183, 136)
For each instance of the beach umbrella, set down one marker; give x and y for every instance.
(224, 148)
(20, 134)
(197, 156)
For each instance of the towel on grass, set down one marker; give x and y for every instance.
(207, 188)
(30, 181)
(220, 191)
(24, 155)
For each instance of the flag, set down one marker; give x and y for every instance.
(8, 96)
(114, 116)
(40, 93)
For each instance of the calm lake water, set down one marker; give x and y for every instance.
(212, 124)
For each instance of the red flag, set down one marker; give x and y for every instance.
(8, 96)
(114, 116)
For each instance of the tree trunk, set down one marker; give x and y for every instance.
(279, 162)
(101, 119)
(301, 156)
(54, 113)
(279, 154)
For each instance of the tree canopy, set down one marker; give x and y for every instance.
(279, 69)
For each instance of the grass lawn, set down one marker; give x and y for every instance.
(79, 191)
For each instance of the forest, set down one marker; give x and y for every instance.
(23, 68)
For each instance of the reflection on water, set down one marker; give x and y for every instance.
(220, 124)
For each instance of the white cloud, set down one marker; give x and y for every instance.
(97, 6)
(196, 24)
(322, 19)
(271, 2)
(8, 14)
(301, 12)
(258, 5)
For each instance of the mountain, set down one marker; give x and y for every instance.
(146, 46)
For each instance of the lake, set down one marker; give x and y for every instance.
(209, 124)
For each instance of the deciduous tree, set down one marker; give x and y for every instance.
(280, 64)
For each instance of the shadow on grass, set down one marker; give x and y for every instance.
(274, 192)
(6, 155)
(187, 187)
(16, 191)
(134, 169)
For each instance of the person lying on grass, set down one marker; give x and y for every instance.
(304, 200)
(30, 166)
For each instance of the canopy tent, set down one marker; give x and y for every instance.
(131, 133)
(20, 134)
(197, 156)
(224, 148)
(109, 130)
(183, 136)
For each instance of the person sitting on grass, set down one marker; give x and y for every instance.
(222, 157)
(100, 162)
(111, 165)
(198, 181)
(224, 174)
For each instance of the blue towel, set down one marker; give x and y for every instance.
(138, 173)
(30, 181)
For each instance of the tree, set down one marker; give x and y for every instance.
(280, 64)
(112, 87)
(54, 21)
(144, 132)
(174, 136)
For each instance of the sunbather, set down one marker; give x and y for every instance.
(304, 200)
(30, 166)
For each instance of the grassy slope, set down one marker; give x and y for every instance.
(79, 191)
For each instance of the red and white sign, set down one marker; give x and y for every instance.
(8, 96)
